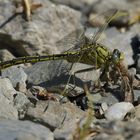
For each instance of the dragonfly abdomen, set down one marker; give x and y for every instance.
(95, 56)
(34, 59)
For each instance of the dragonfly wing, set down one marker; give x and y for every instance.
(111, 14)
(70, 42)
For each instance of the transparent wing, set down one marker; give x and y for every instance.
(75, 40)
(71, 41)
(110, 15)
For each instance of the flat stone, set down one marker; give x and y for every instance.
(17, 76)
(50, 24)
(23, 130)
(53, 114)
(21, 103)
(7, 92)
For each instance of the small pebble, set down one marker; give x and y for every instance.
(103, 108)
(118, 111)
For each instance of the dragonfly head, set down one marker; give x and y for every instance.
(117, 56)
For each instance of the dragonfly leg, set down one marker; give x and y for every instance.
(106, 75)
(74, 75)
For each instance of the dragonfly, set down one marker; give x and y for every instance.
(91, 53)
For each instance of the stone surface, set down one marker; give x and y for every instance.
(5, 55)
(55, 74)
(102, 6)
(17, 76)
(7, 93)
(53, 114)
(50, 23)
(119, 110)
(137, 111)
(82, 5)
(54, 28)
(21, 103)
(23, 130)
(73, 116)
(121, 130)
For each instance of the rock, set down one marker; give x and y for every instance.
(55, 75)
(121, 130)
(7, 92)
(17, 76)
(102, 6)
(53, 114)
(83, 5)
(5, 55)
(137, 111)
(73, 116)
(129, 9)
(21, 103)
(47, 71)
(111, 96)
(138, 63)
(23, 130)
(96, 20)
(103, 108)
(119, 110)
(105, 136)
(50, 24)
(132, 71)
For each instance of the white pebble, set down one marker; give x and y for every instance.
(118, 111)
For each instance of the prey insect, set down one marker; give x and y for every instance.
(91, 53)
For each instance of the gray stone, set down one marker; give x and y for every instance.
(82, 5)
(21, 103)
(138, 64)
(121, 130)
(111, 96)
(102, 6)
(7, 89)
(46, 71)
(50, 23)
(136, 94)
(7, 92)
(53, 114)
(58, 72)
(73, 116)
(105, 136)
(17, 76)
(103, 108)
(119, 110)
(137, 111)
(5, 55)
(23, 130)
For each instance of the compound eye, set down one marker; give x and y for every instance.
(116, 55)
